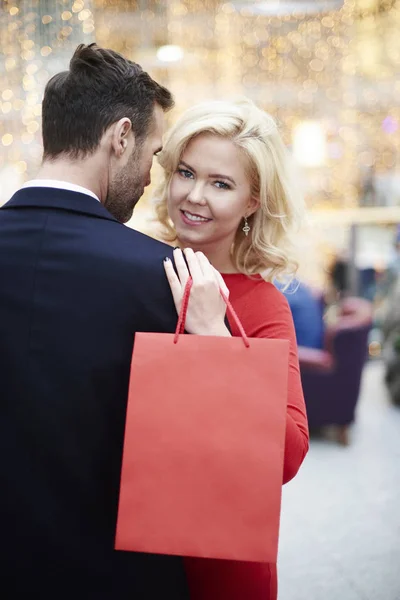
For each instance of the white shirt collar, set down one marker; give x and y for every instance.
(63, 185)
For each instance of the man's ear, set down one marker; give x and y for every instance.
(121, 135)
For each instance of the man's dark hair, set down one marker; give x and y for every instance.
(100, 88)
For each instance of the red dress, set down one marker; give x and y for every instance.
(264, 312)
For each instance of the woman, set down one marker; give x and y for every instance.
(227, 192)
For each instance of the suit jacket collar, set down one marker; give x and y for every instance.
(46, 197)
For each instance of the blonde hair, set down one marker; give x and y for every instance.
(268, 246)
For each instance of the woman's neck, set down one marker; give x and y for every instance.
(219, 257)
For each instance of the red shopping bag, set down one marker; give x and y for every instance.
(204, 445)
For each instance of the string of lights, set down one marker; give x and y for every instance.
(331, 78)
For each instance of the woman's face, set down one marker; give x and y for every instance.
(210, 193)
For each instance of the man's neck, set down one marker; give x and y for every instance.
(82, 173)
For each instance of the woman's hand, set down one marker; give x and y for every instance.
(206, 309)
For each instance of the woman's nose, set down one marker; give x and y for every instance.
(196, 194)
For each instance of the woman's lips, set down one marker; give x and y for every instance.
(193, 219)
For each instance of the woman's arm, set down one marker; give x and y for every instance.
(267, 314)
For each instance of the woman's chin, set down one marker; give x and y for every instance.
(190, 239)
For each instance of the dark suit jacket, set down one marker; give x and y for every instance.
(75, 287)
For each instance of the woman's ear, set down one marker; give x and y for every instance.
(253, 205)
(121, 136)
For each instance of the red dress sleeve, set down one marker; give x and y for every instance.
(265, 312)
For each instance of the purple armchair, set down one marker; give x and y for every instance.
(331, 377)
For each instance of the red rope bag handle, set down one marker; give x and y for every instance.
(180, 328)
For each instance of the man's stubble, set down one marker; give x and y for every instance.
(126, 189)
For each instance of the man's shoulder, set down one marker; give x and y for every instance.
(134, 243)
(128, 253)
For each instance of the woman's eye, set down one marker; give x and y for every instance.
(185, 173)
(222, 185)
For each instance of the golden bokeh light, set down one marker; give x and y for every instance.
(339, 70)
(7, 139)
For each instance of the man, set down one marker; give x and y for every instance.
(75, 287)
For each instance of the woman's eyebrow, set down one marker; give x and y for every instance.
(216, 175)
(182, 162)
(220, 176)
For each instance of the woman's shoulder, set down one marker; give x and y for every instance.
(260, 295)
(256, 285)
(262, 308)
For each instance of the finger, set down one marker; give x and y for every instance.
(194, 267)
(206, 267)
(174, 283)
(181, 267)
(221, 282)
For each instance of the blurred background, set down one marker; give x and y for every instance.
(329, 72)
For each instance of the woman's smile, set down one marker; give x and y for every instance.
(193, 219)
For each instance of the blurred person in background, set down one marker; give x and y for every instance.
(307, 306)
(390, 324)
(228, 192)
(338, 277)
(394, 264)
(391, 343)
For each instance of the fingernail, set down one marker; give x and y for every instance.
(176, 248)
(166, 259)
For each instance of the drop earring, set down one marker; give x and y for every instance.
(246, 227)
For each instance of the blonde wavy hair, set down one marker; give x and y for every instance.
(268, 249)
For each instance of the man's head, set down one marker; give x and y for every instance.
(106, 107)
